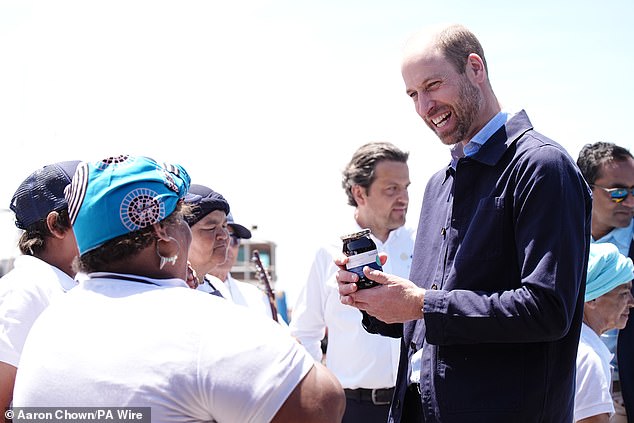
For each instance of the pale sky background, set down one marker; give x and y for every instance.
(266, 100)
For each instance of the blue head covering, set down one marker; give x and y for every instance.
(119, 195)
(607, 269)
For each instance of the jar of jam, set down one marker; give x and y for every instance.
(362, 252)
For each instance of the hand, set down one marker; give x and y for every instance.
(397, 300)
(345, 278)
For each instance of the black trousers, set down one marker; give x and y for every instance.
(365, 412)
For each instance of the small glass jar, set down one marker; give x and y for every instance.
(362, 252)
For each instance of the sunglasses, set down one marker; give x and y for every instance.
(617, 195)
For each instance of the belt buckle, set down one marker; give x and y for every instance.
(376, 401)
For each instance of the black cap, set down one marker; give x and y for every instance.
(238, 229)
(42, 192)
(203, 200)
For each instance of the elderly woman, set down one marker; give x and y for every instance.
(129, 334)
(608, 300)
(210, 235)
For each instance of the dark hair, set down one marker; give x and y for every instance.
(32, 242)
(125, 246)
(456, 44)
(360, 169)
(593, 156)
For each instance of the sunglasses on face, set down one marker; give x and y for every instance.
(617, 195)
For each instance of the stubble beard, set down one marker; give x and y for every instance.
(465, 112)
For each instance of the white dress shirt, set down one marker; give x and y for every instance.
(357, 358)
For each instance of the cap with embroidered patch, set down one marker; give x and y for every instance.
(119, 195)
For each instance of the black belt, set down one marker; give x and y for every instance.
(375, 396)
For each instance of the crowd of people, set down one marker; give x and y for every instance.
(508, 303)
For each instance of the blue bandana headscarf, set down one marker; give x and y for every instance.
(119, 195)
(607, 269)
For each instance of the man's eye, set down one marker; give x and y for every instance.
(432, 85)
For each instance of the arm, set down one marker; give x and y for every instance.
(599, 418)
(308, 323)
(527, 289)
(7, 380)
(530, 285)
(318, 398)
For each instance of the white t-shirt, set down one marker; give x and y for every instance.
(358, 359)
(24, 293)
(593, 381)
(137, 343)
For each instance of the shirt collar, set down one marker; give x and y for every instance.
(621, 237)
(137, 278)
(479, 139)
(459, 150)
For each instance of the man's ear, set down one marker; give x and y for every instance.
(476, 71)
(55, 226)
(359, 194)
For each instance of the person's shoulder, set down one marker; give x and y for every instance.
(31, 274)
(586, 350)
(589, 347)
(246, 287)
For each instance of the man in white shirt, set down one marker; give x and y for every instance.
(609, 170)
(376, 182)
(43, 271)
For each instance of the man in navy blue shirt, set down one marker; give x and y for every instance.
(491, 315)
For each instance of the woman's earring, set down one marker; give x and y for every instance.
(164, 260)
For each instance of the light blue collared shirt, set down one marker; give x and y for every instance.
(621, 237)
(473, 146)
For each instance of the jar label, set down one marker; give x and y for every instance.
(369, 258)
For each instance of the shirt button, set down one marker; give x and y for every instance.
(434, 286)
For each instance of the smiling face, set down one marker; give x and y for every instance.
(446, 100)
(446, 76)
